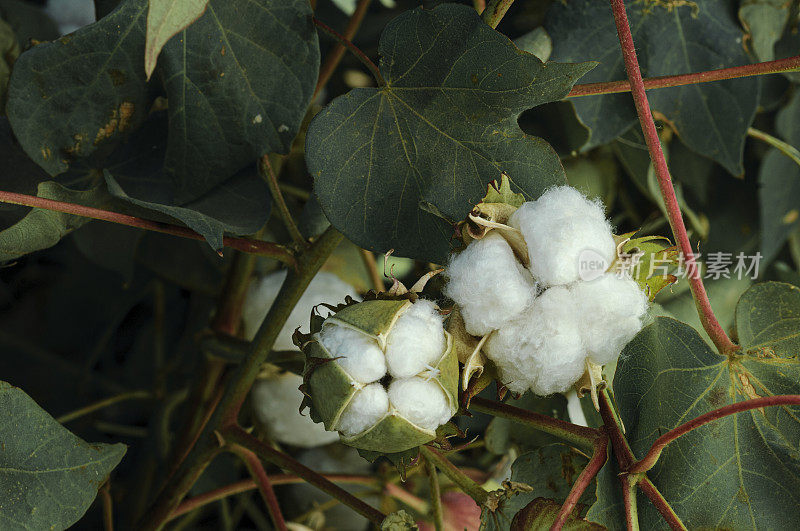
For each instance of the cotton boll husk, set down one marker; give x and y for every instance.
(324, 287)
(612, 309)
(356, 352)
(541, 350)
(421, 401)
(489, 284)
(365, 409)
(416, 340)
(559, 228)
(276, 403)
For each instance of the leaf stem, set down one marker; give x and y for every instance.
(110, 401)
(466, 484)
(265, 168)
(495, 11)
(264, 484)
(247, 245)
(580, 436)
(436, 496)
(630, 503)
(757, 69)
(108, 506)
(622, 451)
(355, 50)
(334, 57)
(661, 504)
(599, 458)
(709, 321)
(372, 268)
(787, 149)
(658, 446)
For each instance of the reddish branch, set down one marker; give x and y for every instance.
(247, 245)
(335, 56)
(707, 317)
(661, 504)
(264, 484)
(658, 446)
(355, 50)
(757, 69)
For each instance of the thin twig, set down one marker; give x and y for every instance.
(787, 149)
(110, 401)
(259, 475)
(709, 321)
(272, 181)
(247, 245)
(335, 56)
(466, 484)
(108, 506)
(757, 69)
(661, 504)
(366, 61)
(495, 11)
(372, 269)
(436, 496)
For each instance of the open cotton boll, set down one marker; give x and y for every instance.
(563, 228)
(276, 403)
(612, 309)
(416, 340)
(489, 284)
(421, 401)
(324, 287)
(365, 409)
(357, 353)
(541, 350)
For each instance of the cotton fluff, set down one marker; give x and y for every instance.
(276, 403)
(365, 409)
(542, 349)
(357, 353)
(560, 228)
(416, 340)
(612, 308)
(324, 287)
(421, 401)
(489, 284)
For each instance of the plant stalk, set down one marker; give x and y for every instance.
(495, 11)
(264, 484)
(436, 496)
(355, 50)
(267, 172)
(335, 56)
(470, 487)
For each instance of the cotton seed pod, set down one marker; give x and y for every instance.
(390, 404)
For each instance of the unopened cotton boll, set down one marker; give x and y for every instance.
(276, 401)
(542, 349)
(324, 287)
(357, 353)
(563, 228)
(421, 401)
(416, 341)
(612, 309)
(489, 284)
(365, 409)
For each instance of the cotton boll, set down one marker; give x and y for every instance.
(421, 401)
(276, 403)
(489, 284)
(324, 287)
(365, 409)
(612, 309)
(561, 229)
(542, 349)
(416, 340)
(357, 353)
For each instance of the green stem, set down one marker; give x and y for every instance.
(495, 11)
(110, 401)
(787, 149)
(272, 180)
(436, 496)
(470, 487)
(629, 501)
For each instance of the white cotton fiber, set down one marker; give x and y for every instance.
(276, 405)
(421, 401)
(356, 352)
(612, 309)
(365, 409)
(542, 349)
(489, 284)
(325, 287)
(416, 340)
(561, 228)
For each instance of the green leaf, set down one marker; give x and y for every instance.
(764, 21)
(69, 97)
(165, 18)
(48, 476)
(28, 21)
(541, 513)
(389, 163)
(239, 81)
(711, 118)
(9, 51)
(745, 465)
(779, 177)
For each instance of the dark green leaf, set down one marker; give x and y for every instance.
(386, 159)
(28, 21)
(711, 118)
(165, 18)
(48, 476)
(541, 513)
(9, 50)
(764, 21)
(768, 320)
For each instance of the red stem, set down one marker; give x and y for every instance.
(247, 245)
(622, 451)
(660, 503)
(335, 56)
(709, 321)
(585, 478)
(629, 502)
(258, 473)
(355, 50)
(658, 446)
(757, 69)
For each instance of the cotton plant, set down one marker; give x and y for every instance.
(544, 290)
